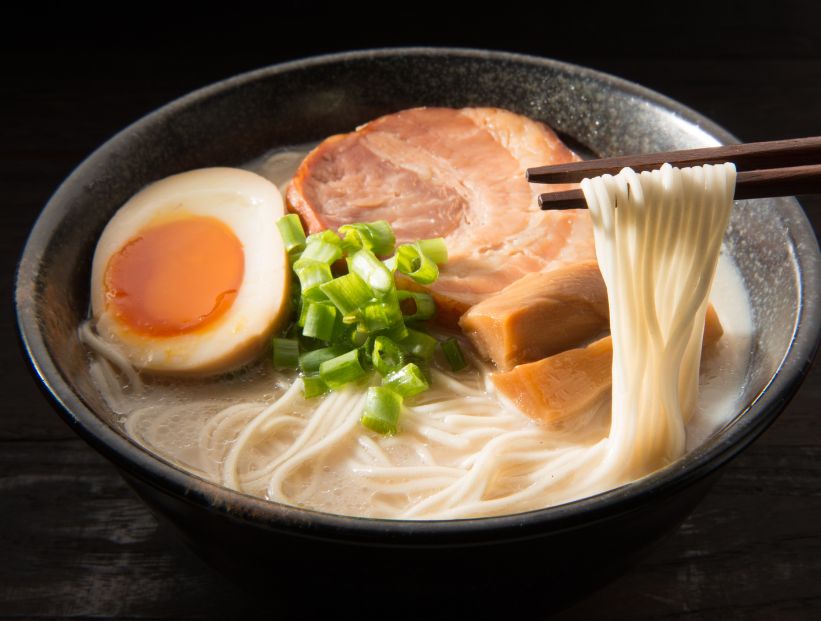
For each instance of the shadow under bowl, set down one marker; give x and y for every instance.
(303, 561)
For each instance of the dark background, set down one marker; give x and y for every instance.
(75, 542)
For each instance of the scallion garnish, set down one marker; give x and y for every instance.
(420, 306)
(327, 236)
(435, 249)
(293, 236)
(373, 317)
(349, 293)
(352, 324)
(397, 332)
(386, 356)
(412, 261)
(319, 251)
(286, 353)
(355, 337)
(374, 236)
(370, 269)
(453, 354)
(418, 344)
(313, 386)
(407, 381)
(311, 275)
(309, 361)
(319, 321)
(338, 371)
(382, 408)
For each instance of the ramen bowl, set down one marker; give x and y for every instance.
(304, 562)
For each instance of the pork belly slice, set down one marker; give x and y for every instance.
(545, 313)
(558, 388)
(457, 174)
(539, 315)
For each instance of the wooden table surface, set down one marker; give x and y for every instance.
(76, 543)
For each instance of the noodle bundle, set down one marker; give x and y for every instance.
(658, 237)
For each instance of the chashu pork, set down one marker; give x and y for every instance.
(457, 174)
(539, 315)
(545, 313)
(558, 388)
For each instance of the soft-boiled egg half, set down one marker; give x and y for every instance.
(190, 276)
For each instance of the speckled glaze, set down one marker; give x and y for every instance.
(477, 563)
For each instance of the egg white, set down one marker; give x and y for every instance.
(247, 204)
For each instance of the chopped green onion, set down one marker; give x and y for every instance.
(303, 313)
(382, 409)
(353, 324)
(311, 275)
(398, 332)
(295, 294)
(407, 381)
(319, 321)
(309, 362)
(359, 337)
(349, 336)
(418, 344)
(370, 269)
(386, 356)
(313, 386)
(453, 353)
(319, 251)
(374, 236)
(286, 353)
(327, 236)
(315, 294)
(290, 229)
(340, 329)
(349, 293)
(373, 318)
(390, 303)
(435, 249)
(413, 262)
(338, 371)
(423, 305)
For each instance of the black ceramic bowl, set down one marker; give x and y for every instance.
(305, 560)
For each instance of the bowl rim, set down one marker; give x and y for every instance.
(170, 479)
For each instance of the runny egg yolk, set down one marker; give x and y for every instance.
(175, 277)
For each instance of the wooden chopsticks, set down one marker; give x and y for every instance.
(766, 169)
